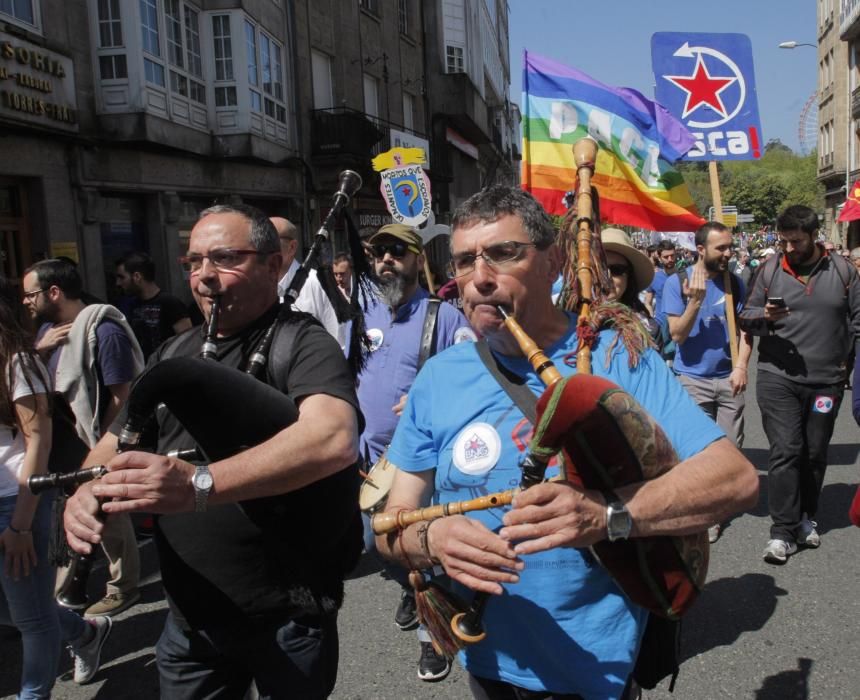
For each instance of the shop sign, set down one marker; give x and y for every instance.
(37, 86)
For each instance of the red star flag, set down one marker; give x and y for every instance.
(851, 208)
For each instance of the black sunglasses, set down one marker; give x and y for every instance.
(618, 270)
(397, 249)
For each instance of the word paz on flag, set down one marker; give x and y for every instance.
(638, 141)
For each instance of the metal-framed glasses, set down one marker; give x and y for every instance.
(497, 255)
(221, 258)
(618, 270)
(33, 294)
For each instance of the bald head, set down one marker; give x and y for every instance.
(288, 236)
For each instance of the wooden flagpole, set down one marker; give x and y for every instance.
(727, 275)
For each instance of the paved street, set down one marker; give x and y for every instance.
(759, 631)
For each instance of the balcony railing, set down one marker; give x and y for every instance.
(342, 131)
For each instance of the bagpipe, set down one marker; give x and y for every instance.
(349, 183)
(224, 410)
(603, 437)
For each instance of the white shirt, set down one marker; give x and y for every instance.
(313, 300)
(12, 445)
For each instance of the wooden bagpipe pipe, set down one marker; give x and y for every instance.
(604, 438)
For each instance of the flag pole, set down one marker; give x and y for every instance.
(727, 275)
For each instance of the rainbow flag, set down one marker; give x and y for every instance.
(638, 141)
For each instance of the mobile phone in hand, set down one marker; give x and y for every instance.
(776, 301)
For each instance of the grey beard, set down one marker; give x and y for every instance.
(391, 290)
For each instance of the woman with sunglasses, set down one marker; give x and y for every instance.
(631, 272)
(26, 578)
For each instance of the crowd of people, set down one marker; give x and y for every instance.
(253, 601)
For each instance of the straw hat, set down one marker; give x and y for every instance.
(617, 241)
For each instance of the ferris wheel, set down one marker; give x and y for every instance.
(807, 125)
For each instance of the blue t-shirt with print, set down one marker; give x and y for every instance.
(705, 352)
(565, 626)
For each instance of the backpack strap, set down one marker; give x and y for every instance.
(844, 274)
(514, 386)
(428, 332)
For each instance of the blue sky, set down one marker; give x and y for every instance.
(611, 41)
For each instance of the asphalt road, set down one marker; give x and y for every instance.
(758, 631)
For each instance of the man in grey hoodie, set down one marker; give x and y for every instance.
(805, 308)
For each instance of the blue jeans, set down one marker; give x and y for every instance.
(29, 605)
(286, 659)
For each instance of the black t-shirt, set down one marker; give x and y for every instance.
(280, 555)
(152, 320)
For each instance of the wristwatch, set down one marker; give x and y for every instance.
(202, 483)
(618, 520)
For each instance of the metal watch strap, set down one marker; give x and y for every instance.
(201, 495)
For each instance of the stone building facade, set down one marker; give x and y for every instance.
(122, 119)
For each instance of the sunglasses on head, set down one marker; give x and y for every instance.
(397, 249)
(618, 270)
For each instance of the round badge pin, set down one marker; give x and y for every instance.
(477, 449)
(375, 336)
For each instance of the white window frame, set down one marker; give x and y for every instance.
(371, 95)
(114, 55)
(459, 60)
(265, 60)
(36, 26)
(321, 63)
(409, 111)
(182, 80)
(226, 84)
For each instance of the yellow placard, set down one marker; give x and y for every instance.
(397, 157)
(65, 249)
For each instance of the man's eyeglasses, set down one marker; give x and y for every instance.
(618, 270)
(34, 293)
(497, 256)
(222, 258)
(397, 249)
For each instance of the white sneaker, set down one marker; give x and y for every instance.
(778, 551)
(88, 656)
(714, 533)
(807, 534)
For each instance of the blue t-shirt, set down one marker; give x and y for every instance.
(705, 352)
(565, 626)
(656, 287)
(393, 361)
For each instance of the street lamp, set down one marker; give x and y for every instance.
(794, 45)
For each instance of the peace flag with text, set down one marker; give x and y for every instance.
(638, 140)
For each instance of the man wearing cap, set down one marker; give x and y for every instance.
(405, 327)
(695, 304)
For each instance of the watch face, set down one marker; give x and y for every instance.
(202, 481)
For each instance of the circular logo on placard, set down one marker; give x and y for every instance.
(465, 335)
(375, 336)
(477, 449)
